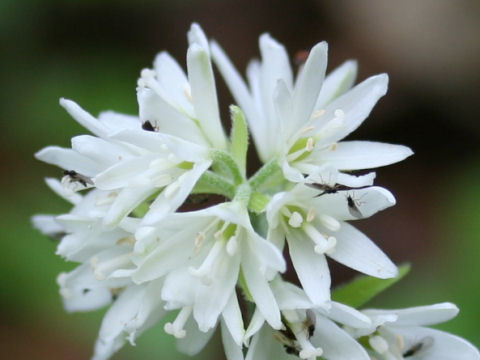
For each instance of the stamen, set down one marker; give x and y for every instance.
(219, 234)
(316, 114)
(329, 222)
(188, 92)
(176, 328)
(130, 240)
(400, 342)
(310, 215)
(322, 245)
(310, 144)
(378, 343)
(308, 129)
(295, 220)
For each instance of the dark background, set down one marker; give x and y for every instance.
(93, 51)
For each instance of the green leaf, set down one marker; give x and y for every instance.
(225, 165)
(364, 288)
(239, 138)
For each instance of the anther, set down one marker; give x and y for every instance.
(295, 220)
(310, 145)
(378, 343)
(316, 114)
(310, 215)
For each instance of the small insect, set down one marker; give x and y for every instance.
(147, 125)
(301, 57)
(353, 207)
(424, 343)
(309, 323)
(74, 176)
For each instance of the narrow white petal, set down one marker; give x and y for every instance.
(260, 291)
(358, 155)
(233, 350)
(167, 118)
(355, 104)
(289, 296)
(266, 252)
(308, 86)
(335, 342)
(349, 316)
(204, 94)
(69, 160)
(84, 118)
(197, 36)
(421, 315)
(114, 121)
(358, 252)
(47, 225)
(311, 268)
(232, 319)
(100, 150)
(256, 323)
(337, 83)
(443, 346)
(59, 189)
(173, 80)
(211, 300)
(127, 200)
(368, 201)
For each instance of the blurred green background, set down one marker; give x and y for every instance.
(93, 51)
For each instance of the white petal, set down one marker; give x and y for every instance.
(195, 340)
(167, 202)
(335, 342)
(260, 291)
(368, 201)
(289, 296)
(69, 160)
(358, 155)
(166, 117)
(349, 316)
(256, 323)
(358, 252)
(267, 253)
(127, 200)
(204, 94)
(173, 80)
(47, 225)
(356, 181)
(232, 319)
(311, 268)
(356, 105)
(265, 347)
(211, 300)
(233, 351)
(445, 346)
(100, 150)
(308, 86)
(420, 315)
(337, 83)
(84, 118)
(197, 36)
(114, 121)
(59, 189)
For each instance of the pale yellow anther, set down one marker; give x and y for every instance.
(308, 129)
(310, 144)
(333, 147)
(316, 114)
(130, 240)
(310, 215)
(400, 342)
(188, 92)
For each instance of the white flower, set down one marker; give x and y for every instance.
(307, 332)
(314, 225)
(207, 249)
(400, 334)
(300, 122)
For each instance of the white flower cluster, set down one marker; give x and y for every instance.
(170, 221)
